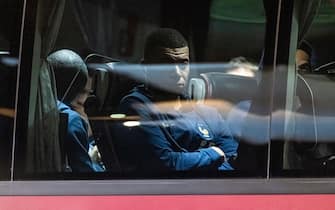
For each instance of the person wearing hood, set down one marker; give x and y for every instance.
(73, 88)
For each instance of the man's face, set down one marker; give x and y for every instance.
(170, 69)
(80, 99)
(301, 57)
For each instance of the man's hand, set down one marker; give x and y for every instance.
(94, 153)
(78, 107)
(220, 152)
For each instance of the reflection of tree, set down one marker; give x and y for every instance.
(326, 12)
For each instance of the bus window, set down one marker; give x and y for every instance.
(174, 90)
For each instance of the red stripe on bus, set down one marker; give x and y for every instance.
(189, 202)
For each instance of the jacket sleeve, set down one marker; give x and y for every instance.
(77, 145)
(151, 134)
(222, 135)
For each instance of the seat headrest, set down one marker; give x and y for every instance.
(123, 77)
(197, 89)
(100, 85)
(232, 88)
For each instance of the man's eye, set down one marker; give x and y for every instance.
(183, 65)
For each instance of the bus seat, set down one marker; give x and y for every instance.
(197, 89)
(234, 89)
(122, 79)
(313, 133)
(100, 85)
(231, 88)
(115, 80)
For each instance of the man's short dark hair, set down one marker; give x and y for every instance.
(306, 47)
(163, 37)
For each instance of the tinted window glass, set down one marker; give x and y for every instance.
(149, 102)
(9, 44)
(309, 149)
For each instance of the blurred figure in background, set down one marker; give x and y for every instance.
(303, 57)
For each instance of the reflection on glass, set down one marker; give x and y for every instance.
(153, 109)
(310, 148)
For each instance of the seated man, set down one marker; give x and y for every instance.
(303, 58)
(174, 135)
(73, 88)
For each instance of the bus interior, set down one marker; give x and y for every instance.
(243, 61)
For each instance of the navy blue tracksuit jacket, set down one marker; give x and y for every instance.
(147, 147)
